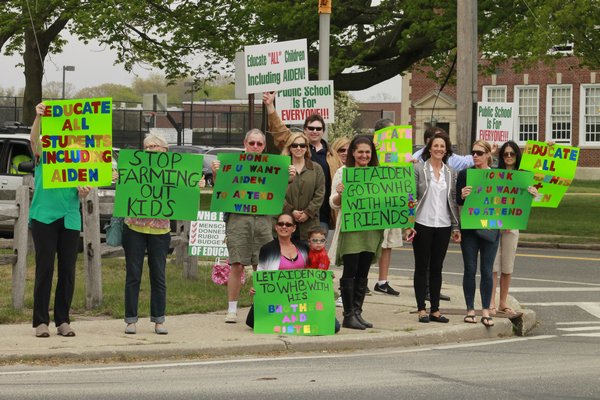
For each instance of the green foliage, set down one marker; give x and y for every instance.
(346, 111)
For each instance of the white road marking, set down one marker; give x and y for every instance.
(580, 329)
(579, 323)
(592, 308)
(594, 335)
(271, 359)
(553, 289)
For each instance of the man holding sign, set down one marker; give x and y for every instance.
(245, 233)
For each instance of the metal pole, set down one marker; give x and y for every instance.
(324, 28)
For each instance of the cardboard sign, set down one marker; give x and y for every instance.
(378, 198)
(249, 183)
(294, 302)
(77, 143)
(275, 66)
(207, 235)
(495, 122)
(554, 169)
(316, 97)
(499, 199)
(394, 145)
(158, 184)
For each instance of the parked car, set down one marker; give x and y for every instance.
(211, 155)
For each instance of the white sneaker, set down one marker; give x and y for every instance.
(338, 302)
(231, 318)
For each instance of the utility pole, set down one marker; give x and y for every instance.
(324, 28)
(466, 72)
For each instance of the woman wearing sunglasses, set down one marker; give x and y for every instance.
(355, 250)
(472, 244)
(510, 158)
(306, 192)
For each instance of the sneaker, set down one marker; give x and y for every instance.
(64, 329)
(339, 302)
(231, 318)
(160, 329)
(42, 331)
(368, 292)
(386, 289)
(130, 329)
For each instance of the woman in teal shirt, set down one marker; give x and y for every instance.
(55, 225)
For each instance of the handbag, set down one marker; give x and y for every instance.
(490, 235)
(220, 272)
(114, 232)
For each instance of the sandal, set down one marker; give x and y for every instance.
(508, 311)
(488, 322)
(492, 310)
(424, 318)
(470, 319)
(439, 318)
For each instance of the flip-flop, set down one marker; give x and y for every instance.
(488, 322)
(470, 319)
(492, 310)
(508, 311)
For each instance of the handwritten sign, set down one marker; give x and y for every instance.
(158, 185)
(275, 66)
(207, 235)
(495, 122)
(294, 302)
(378, 198)
(394, 145)
(250, 183)
(499, 199)
(77, 143)
(554, 169)
(316, 97)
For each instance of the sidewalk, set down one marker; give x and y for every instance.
(206, 335)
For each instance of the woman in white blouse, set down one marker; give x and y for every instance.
(436, 220)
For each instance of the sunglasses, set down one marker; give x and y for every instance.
(286, 224)
(509, 154)
(342, 150)
(478, 153)
(318, 240)
(253, 143)
(315, 128)
(153, 146)
(296, 145)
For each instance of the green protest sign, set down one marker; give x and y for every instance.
(158, 185)
(394, 145)
(378, 198)
(499, 199)
(554, 169)
(294, 302)
(249, 183)
(76, 143)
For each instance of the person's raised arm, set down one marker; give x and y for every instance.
(277, 128)
(34, 135)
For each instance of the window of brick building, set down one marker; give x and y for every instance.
(559, 113)
(590, 115)
(494, 94)
(527, 106)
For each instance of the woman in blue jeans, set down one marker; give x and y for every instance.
(474, 241)
(153, 235)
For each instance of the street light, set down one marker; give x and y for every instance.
(65, 69)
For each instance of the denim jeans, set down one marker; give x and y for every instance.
(471, 244)
(135, 245)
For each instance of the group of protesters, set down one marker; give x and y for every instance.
(312, 208)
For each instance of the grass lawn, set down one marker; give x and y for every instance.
(580, 186)
(183, 296)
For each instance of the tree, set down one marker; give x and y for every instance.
(141, 31)
(346, 111)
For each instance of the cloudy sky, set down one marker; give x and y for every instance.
(93, 66)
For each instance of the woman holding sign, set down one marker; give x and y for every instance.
(355, 250)
(306, 192)
(475, 241)
(154, 236)
(510, 158)
(55, 224)
(436, 219)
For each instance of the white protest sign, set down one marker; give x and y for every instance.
(207, 235)
(315, 97)
(495, 122)
(275, 66)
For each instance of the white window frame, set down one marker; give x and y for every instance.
(487, 89)
(517, 96)
(549, 91)
(582, 141)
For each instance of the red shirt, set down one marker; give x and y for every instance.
(318, 260)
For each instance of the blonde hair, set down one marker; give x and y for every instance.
(295, 135)
(340, 142)
(156, 139)
(487, 147)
